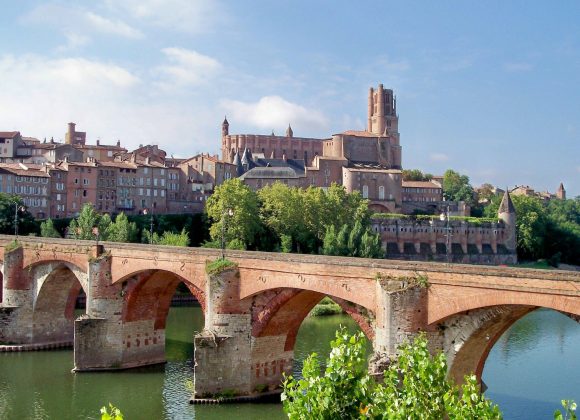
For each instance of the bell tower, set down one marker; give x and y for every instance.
(382, 111)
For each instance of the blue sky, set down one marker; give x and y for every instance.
(490, 89)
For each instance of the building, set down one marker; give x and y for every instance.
(8, 143)
(31, 183)
(527, 191)
(366, 161)
(422, 191)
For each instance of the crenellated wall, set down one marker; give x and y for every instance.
(426, 240)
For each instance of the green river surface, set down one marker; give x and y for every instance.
(534, 365)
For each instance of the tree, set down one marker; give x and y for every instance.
(416, 175)
(167, 238)
(236, 205)
(456, 187)
(26, 222)
(415, 386)
(47, 229)
(122, 230)
(88, 218)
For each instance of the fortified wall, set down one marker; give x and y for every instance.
(458, 241)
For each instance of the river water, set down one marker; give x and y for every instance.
(534, 365)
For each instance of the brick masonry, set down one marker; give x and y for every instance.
(253, 313)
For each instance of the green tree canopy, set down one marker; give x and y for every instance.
(47, 229)
(122, 230)
(416, 175)
(26, 222)
(88, 218)
(236, 205)
(456, 187)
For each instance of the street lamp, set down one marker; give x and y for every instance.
(226, 212)
(145, 212)
(17, 208)
(443, 217)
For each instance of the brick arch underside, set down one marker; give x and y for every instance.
(282, 311)
(470, 336)
(148, 295)
(54, 305)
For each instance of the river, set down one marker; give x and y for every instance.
(534, 365)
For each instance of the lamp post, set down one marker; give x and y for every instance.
(17, 208)
(225, 213)
(145, 212)
(443, 217)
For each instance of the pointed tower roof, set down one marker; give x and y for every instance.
(561, 187)
(247, 159)
(506, 205)
(289, 132)
(226, 120)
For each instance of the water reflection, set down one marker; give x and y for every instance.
(532, 367)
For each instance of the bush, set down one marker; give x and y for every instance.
(415, 387)
(219, 265)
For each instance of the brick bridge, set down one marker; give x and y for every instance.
(253, 313)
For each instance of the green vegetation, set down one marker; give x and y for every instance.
(456, 187)
(219, 265)
(111, 413)
(415, 386)
(26, 223)
(167, 238)
(47, 229)
(416, 175)
(326, 307)
(288, 219)
(569, 411)
(548, 231)
(14, 244)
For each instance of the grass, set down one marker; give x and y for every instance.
(326, 307)
(219, 265)
(541, 264)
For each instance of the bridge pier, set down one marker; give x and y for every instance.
(16, 312)
(223, 350)
(401, 315)
(98, 336)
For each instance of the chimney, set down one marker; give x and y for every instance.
(98, 142)
(118, 143)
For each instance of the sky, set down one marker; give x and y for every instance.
(489, 89)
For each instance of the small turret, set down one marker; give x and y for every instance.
(561, 193)
(289, 132)
(225, 127)
(238, 162)
(507, 213)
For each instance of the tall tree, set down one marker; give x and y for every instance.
(456, 187)
(88, 218)
(236, 205)
(121, 230)
(47, 229)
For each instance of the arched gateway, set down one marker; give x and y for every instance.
(253, 310)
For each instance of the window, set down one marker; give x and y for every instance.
(85, 181)
(76, 180)
(365, 191)
(381, 192)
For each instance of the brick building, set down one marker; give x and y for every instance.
(366, 161)
(31, 183)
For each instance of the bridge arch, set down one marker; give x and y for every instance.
(148, 295)
(277, 315)
(56, 286)
(469, 336)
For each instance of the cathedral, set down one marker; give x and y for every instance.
(367, 161)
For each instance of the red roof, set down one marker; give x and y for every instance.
(9, 134)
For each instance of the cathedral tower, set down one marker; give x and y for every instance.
(382, 111)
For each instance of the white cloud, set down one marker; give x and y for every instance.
(40, 95)
(78, 24)
(275, 112)
(186, 68)
(439, 157)
(115, 27)
(192, 16)
(514, 67)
